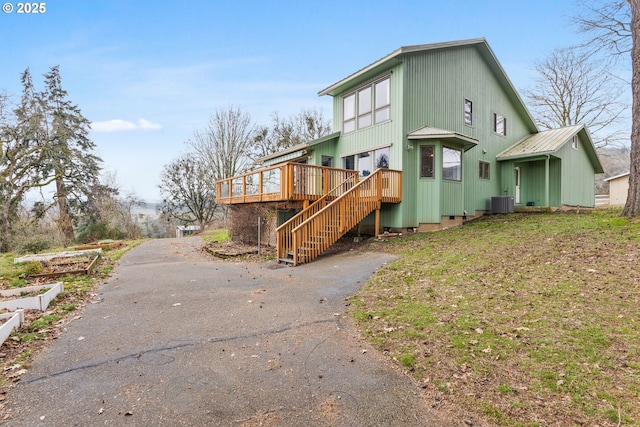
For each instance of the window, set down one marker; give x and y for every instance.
(574, 142)
(364, 108)
(468, 112)
(383, 100)
(372, 104)
(349, 113)
(350, 162)
(364, 164)
(483, 168)
(500, 124)
(327, 161)
(451, 164)
(382, 158)
(426, 161)
(367, 161)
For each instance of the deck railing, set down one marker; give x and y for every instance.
(284, 231)
(321, 229)
(288, 181)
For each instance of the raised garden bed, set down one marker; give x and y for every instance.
(67, 266)
(103, 244)
(29, 297)
(10, 321)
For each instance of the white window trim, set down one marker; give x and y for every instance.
(373, 111)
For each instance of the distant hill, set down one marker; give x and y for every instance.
(615, 161)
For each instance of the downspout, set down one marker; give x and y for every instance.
(546, 181)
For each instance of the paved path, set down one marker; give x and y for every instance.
(178, 339)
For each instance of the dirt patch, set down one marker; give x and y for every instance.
(236, 251)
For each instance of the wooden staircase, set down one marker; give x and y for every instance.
(314, 229)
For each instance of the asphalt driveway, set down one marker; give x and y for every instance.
(178, 339)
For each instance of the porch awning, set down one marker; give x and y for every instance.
(549, 142)
(464, 141)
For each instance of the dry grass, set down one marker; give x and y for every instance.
(527, 320)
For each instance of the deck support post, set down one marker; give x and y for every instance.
(377, 221)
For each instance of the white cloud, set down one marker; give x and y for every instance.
(119, 125)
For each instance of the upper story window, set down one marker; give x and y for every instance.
(368, 105)
(349, 113)
(364, 107)
(500, 124)
(383, 100)
(574, 142)
(468, 112)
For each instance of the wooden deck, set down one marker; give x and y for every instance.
(336, 200)
(297, 181)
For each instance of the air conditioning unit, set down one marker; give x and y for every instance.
(501, 204)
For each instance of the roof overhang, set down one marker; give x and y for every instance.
(427, 132)
(297, 151)
(389, 61)
(548, 143)
(622, 175)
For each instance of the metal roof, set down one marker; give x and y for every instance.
(549, 142)
(388, 61)
(428, 132)
(546, 142)
(297, 150)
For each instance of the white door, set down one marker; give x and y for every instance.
(517, 195)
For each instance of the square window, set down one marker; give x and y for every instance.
(427, 159)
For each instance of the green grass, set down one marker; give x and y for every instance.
(531, 319)
(215, 235)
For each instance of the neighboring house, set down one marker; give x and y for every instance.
(186, 230)
(426, 137)
(618, 189)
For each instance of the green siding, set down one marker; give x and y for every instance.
(437, 83)
(429, 88)
(578, 179)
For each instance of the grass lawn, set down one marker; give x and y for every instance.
(524, 319)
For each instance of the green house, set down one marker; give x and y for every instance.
(441, 136)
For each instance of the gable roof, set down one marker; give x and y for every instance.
(388, 61)
(549, 142)
(622, 175)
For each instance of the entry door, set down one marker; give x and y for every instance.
(517, 195)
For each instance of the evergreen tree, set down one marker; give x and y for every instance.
(71, 161)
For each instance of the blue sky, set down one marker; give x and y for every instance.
(148, 73)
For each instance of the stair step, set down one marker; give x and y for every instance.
(286, 260)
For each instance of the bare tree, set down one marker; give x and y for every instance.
(615, 26)
(286, 132)
(188, 190)
(571, 88)
(225, 145)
